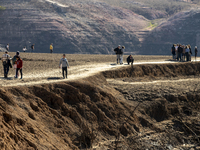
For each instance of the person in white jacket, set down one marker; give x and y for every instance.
(121, 55)
(64, 63)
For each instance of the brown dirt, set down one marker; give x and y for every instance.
(101, 111)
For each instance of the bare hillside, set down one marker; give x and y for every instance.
(181, 28)
(90, 26)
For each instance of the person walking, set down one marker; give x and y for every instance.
(19, 63)
(51, 48)
(195, 51)
(64, 63)
(117, 52)
(32, 47)
(6, 63)
(122, 54)
(173, 50)
(14, 61)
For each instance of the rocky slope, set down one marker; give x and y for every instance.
(90, 26)
(73, 27)
(182, 28)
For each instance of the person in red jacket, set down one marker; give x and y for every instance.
(19, 66)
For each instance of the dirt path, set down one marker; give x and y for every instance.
(74, 73)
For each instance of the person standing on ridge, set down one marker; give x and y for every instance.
(6, 63)
(7, 47)
(173, 50)
(33, 47)
(64, 63)
(195, 51)
(51, 48)
(122, 54)
(180, 50)
(117, 52)
(14, 61)
(24, 49)
(19, 66)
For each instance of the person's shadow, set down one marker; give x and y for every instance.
(8, 78)
(54, 78)
(114, 64)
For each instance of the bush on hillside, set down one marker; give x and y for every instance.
(2, 8)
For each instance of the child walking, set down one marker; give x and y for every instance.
(19, 66)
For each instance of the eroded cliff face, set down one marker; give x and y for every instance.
(73, 27)
(116, 109)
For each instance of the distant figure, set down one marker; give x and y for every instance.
(24, 49)
(195, 51)
(6, 63)
(173, 50)
(183, 54)
(32, 47)
(176, 48)
(117, 52)
(187, 50)
(51, 48)
(190, 52)
(19, 66)
(130, 59)
(7, 47)
(121, 55)
(14, 61)
(180, 50)
(64, 63)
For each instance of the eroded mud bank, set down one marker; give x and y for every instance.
(97, 113)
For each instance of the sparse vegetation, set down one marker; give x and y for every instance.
(2, 8)
(144, 7)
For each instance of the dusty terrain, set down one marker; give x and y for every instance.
(153, 104)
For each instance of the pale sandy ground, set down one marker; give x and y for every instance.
(43, 68)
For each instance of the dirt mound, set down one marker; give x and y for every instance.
(61, 116)
(95, 113)
(156, 70)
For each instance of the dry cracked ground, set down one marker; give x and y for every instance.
(154, 104)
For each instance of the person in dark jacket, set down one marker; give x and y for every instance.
(118, 53)
(180, 50)
(6, 61)
(173, 50)
(190, 53)
(32, 47)
(130, 59)
(195, 51)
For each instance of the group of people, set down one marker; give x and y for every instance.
(17, 64)
(182, 52)
(24, 48)
(119, 51)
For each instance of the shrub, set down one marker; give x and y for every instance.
(2, 8)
